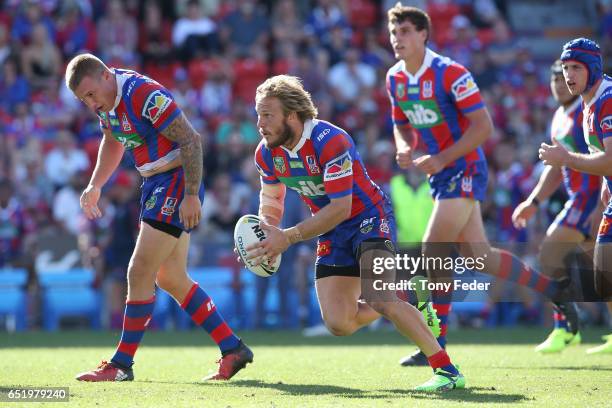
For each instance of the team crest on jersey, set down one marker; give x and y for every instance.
(464, 86)
(341, 166)
(384, 226)
(169, 206)
(150, 204)
(427, 89)
(279, 164)
(606, 124)
(367, 225)
(312, 165)
(127, 127)
(401, 90)
(156, 105)
(466, 184)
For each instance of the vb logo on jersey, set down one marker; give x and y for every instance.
(341, 166)
(155, 106)
(464, 87)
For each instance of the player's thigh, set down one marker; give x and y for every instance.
(448, 218)
(472, 239)
(338, 297)
(153, 247)
(603, 269)
(175, 265)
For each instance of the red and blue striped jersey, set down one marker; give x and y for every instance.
(434, 101)
(143, 109)
(566, 129)
(323, 165)
(597, 119)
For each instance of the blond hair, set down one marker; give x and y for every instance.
(81, 66)
(290, 92)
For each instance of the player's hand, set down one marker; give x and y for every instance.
(523, 213)
(89, 202)
(429, 164)
(238, 258)
(190, 211)
(266, 251)
(404, 157)
(553, 155)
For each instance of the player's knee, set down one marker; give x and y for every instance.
(139, 269)
(338, 327)
(166, 282)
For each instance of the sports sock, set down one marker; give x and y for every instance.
(514, 270)
(442, 360)
(135, 320)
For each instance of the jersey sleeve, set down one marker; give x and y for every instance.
(337, 157)
(397, 114)
(153, 103)
(263, 162)
(460, 85)
(603, 124)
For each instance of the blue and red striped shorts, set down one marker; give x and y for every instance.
(162, 195)
(454, 182)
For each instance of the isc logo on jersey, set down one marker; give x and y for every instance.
(155, 105)
(606, 124)
(464, 87)
(341, 166)
(422, 114)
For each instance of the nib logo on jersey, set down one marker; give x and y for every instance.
(422, 114)
(606, 124)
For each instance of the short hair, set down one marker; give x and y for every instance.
(292, 95)
(81, 66)
(419, 18)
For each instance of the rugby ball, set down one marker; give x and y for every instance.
(248, 232)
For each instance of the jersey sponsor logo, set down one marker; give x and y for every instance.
(367, 225)
(125, 123)
(324, 248)
(279, 164)
(312, 165)
(464, 87)
(156, 105)
(169, 206)
(296, 164)
(324, 133)
(308, 186)
(341, 166)
(427, 89)
(114, 121)
(150, 204)
(606, 124)
(422, 114)
(401, 90)
(604, 227)
(413, 90)
(129, 141)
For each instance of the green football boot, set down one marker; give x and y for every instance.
(442, 381)
(425, 306)
(605, 348)
(558, 340)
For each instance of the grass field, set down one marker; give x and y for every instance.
(293, 371)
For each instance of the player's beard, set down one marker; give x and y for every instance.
(284, 137)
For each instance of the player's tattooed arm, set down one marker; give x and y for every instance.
(190, 142)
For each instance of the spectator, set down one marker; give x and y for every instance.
(351, 78)
(41, 60)
(75, 31)
(242, 122)
(5, 45)
(244, 28)
(66, 207)
(217, 92)
(287, 25)
(155, 36)
(221, 209)
(195, 33)
(14, 226)
(14, 87)
(117, 35)
(324, 17)
(65, 160)
(30, 15)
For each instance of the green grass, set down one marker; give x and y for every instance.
(292, 371)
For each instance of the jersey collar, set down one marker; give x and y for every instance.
(309, 124)
(120, 78)
(605, 83)
(414, 79)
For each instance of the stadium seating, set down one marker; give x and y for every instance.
(13, 296)
(69, 293)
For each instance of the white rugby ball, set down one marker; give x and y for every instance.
(248, 232)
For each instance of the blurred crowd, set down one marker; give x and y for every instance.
(212, 54)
